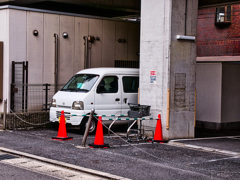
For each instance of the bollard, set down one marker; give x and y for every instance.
(87, 128)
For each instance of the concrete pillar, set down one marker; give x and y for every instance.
(171, 61)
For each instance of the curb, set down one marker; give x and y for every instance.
(63, 164)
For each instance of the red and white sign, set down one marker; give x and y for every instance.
(153, 77)
(153, 73)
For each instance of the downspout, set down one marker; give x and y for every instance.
(56, 62)
(185, 31)
(86, 53)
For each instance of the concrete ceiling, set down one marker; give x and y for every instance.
(105, 8)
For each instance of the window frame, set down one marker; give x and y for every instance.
(107, 91)
(226, 21)
(124, 76)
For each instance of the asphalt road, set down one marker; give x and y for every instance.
(135, 161)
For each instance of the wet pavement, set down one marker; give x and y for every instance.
(198, 158)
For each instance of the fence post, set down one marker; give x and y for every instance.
(4, 114)
(12, 96)
(46, 95)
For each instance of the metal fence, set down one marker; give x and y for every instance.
(32, 97)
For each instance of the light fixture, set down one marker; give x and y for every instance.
(65, 35)
(35, 32)
(182, 37)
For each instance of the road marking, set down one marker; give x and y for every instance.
(229, 153)
(48, 169)
(214, 160)
(195, 139)
(63, 164)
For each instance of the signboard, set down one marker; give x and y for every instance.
(153, 77)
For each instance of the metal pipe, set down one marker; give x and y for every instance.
(26, 88)
(4, 114)
(56, 61)
(195, 108)
(85, 52)
(87, 128)
(23, 86)
(111, 126)
(185, 18)
(128, 130)
(168, 109)
(89, 54)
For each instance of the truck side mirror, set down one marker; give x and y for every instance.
(100, 88)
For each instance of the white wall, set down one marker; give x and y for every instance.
(35, 46)
(4, 29)
(209, 91)
(50, 27)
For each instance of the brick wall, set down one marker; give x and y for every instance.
(213, 40)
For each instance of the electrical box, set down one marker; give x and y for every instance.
(1, 72)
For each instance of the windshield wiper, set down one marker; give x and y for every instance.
(75, 90)
(85, 90)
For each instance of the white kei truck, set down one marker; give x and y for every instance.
(107, 90)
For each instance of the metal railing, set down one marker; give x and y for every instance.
(32, 97)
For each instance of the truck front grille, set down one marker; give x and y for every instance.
(67, 115)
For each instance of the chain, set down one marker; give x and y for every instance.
(29, 122)
(128, 142)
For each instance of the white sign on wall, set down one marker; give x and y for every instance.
(153, 77)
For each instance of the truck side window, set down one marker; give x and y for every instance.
(130, 84)
(109, 84)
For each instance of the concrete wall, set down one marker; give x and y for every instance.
(16, 31)
(154, 55)
(174, 60)
(209, 91)
(4, 29)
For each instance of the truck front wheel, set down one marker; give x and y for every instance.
(93, 126)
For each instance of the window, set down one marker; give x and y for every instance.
(223, 14)
(80, 82)
(130, 84)
(109, 84)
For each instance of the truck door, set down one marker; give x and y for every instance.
(108, 96)
(130, 84)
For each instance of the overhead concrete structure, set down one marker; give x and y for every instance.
(167, 64)
(104, 8)
(17, 32)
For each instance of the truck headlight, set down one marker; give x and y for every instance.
(53, 103)
(78, 105)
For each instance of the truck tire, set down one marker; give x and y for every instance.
(93, 126)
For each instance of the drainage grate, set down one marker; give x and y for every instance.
(7, 156)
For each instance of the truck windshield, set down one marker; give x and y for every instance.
(80, 82)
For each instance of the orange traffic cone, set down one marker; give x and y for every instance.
(158, 131)
(62, 132)
(99, 140)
